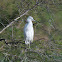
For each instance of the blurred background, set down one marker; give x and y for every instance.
(47, 44)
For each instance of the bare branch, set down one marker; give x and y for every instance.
(13, 21)
(19, 17)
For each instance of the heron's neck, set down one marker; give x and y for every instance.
(30, 23)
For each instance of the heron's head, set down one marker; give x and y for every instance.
(30, 18)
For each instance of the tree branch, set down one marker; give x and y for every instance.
(19, 17)
(13, 21)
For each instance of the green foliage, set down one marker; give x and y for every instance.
(47, 45)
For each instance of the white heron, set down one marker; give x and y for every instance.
(29, 31)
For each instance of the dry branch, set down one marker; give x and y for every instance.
(13, 21)
(20, 17)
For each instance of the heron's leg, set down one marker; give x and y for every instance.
(29, 45)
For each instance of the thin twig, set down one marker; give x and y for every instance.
(2, 24)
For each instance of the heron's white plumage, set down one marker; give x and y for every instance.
(28, 30)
